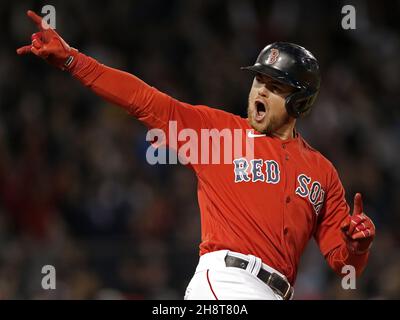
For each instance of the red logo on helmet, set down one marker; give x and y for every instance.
(273, 56)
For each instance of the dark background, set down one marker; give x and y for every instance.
(76, 191)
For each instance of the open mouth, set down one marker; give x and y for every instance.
(260, 110)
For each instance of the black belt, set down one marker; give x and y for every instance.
(278, 284)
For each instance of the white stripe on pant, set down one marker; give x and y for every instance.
(213, 280)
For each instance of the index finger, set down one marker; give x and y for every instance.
(35, 18)
(358, 205)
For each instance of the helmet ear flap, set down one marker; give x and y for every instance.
(299, 103)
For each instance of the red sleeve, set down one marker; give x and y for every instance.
(154, 108)
(328, 234)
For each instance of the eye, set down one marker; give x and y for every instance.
(276, 88)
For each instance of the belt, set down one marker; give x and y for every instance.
(277, 283)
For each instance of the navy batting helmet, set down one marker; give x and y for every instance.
(291, 64)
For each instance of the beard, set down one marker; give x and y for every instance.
(266, 126)
(269, 124)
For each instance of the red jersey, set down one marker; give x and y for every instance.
(268, 206)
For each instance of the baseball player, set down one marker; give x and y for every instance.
(257, 215)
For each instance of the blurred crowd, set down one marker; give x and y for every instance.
(76, 191)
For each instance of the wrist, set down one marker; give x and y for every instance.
(358, 251)
(71, 61)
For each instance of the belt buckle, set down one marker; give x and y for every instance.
(286, 295)
(289, 293)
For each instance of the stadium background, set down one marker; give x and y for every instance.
(76, 191)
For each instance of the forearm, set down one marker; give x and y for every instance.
(341, 256)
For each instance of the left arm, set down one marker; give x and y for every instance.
(344, 239)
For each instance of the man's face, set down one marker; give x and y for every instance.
(266, 110)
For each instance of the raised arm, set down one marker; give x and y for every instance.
(146, 103)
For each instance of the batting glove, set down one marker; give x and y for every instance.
(48, 45)
(358, 230)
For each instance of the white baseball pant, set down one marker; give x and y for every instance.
(214, 281)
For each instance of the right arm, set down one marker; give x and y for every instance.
(144, 102)
(154, 108)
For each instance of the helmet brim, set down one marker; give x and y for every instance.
(275, 74)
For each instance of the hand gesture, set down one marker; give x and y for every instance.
(358, 230)
(48, 45)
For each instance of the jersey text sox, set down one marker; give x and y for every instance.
(253, 171)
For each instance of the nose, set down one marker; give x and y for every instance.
(264, 92)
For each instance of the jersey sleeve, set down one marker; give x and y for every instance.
(334, 212)
(328, 234)
(150, 106)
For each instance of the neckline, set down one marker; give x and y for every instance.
(297, 136)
